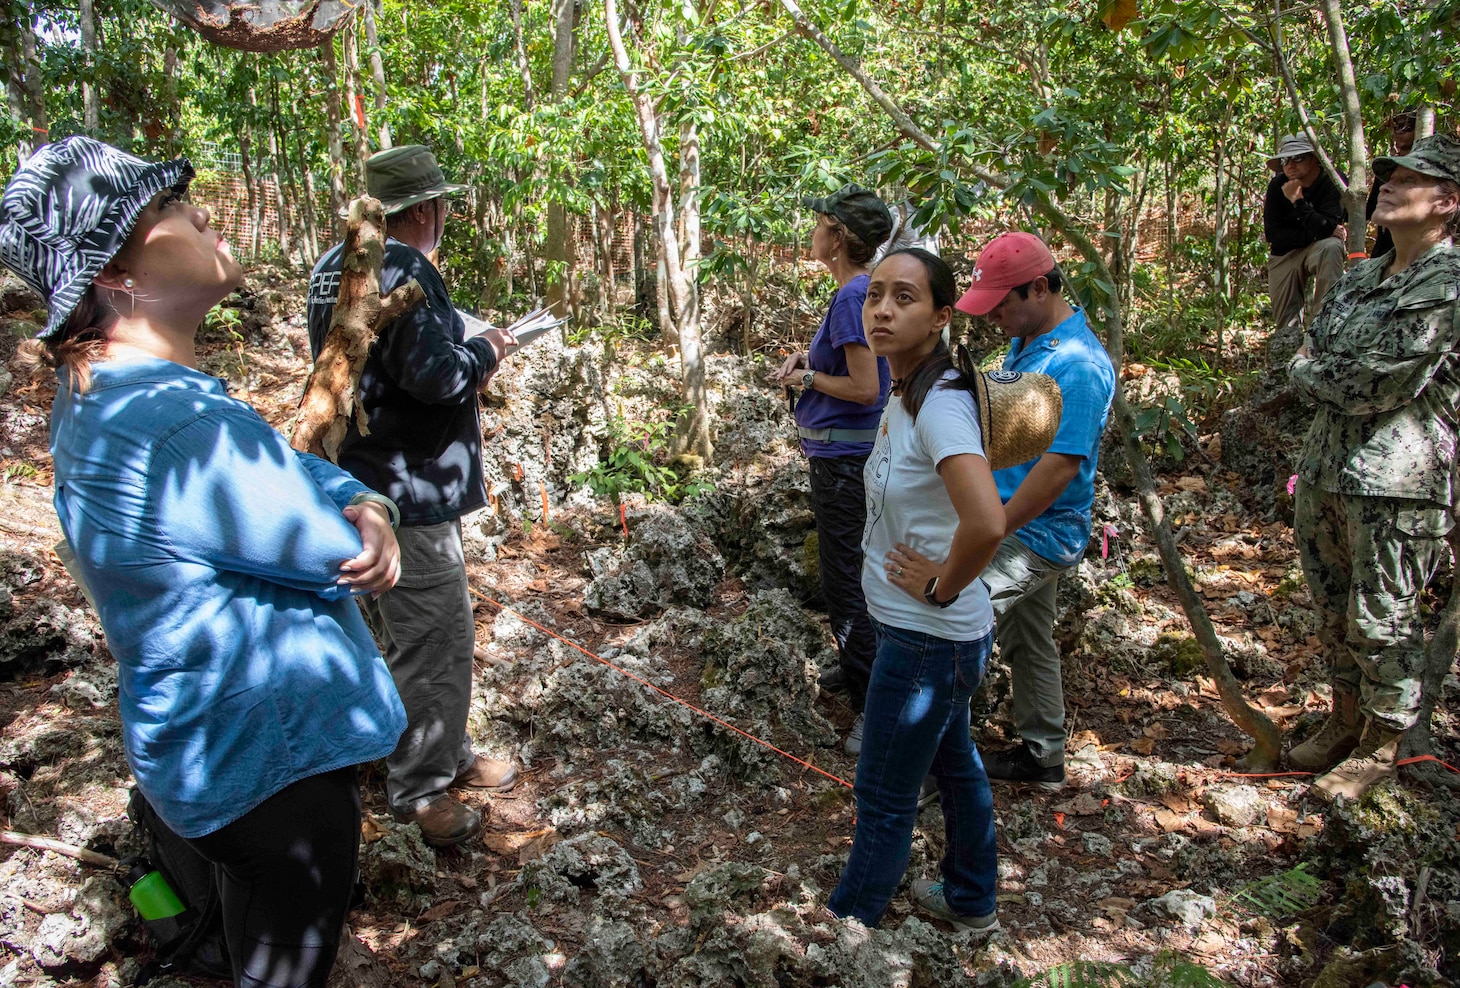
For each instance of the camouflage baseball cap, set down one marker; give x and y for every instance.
(1438, 156)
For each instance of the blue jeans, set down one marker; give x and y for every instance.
(916, 721)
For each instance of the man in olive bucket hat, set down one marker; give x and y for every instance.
(1047, 501)
(419, 391)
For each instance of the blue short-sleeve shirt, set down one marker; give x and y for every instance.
(1072, 355)
(841, 327)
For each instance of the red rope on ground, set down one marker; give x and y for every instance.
(663, 692)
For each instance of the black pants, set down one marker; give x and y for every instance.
(839, 501)
(287, 872)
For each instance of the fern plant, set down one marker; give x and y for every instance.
(1168, 971)
(1281, 896)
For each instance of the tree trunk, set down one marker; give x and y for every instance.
(330, 394)
(692, 431)
(1441, 659)
(524, 68)
(279, 171)
(377, 73)
(352, 100)
(172, 120)
(34, 90)
(1356, 194)
(558, 248)
(90, 104)
(334, 138)
(1256, 724)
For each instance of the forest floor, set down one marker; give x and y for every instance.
(1154, 805)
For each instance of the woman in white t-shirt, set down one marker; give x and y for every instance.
(930, 496)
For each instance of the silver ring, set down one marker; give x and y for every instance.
(897, 572)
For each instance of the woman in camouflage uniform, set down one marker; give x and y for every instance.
(1376, 481)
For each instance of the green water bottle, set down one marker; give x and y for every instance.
(155, 902)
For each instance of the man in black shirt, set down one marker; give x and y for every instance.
(1302, 208)
(418, 390)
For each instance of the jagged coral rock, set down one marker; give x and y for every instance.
(398, 868)
(588, 863)
(669, 560)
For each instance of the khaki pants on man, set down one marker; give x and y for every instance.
(1289, 278)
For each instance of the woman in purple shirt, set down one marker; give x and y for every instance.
(843, 390)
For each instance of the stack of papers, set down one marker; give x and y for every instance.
(525, 330)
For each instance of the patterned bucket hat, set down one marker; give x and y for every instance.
(1437, 156)
(68, 210)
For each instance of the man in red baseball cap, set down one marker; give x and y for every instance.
(1016, 284)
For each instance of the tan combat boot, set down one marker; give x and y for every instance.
(1372, 762)
(1335, 740)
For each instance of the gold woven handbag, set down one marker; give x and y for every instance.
(1018, 412)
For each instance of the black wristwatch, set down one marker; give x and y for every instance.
(807, 378)
(931, 589)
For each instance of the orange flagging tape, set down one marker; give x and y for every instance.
(662, 692)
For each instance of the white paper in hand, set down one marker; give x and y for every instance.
(525, 330)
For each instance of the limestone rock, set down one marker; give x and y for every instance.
(399, 868)
(1235, 806)
(83, 934)
(589, 862)
(1186, 907)
(669, 560)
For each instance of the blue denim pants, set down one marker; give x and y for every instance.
(916, 722)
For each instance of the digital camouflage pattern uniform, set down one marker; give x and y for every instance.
(1377, 473)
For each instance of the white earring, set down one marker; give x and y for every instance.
(128, 283)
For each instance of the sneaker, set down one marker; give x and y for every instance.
(1017, 764)
(832, 680)
(928, 794)
(854, 737)
(928, 896)
(444, 822)
(487, 775)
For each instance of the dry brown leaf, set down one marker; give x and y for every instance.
(511, 843)
(1168, 821)
(536, 849)
(1143, 746)
(1083, 738)
(1197, 485)
(371, 830)
(1229, 747)
(1156, 732)
(1281, 713)
(1177, 803)
(440, 911)
(1282, 819)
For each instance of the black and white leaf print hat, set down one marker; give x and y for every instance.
(68, 210)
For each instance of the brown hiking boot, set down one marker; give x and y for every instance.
(1334, 741)
(444, 821)
(487, 775)
(1372, 762)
